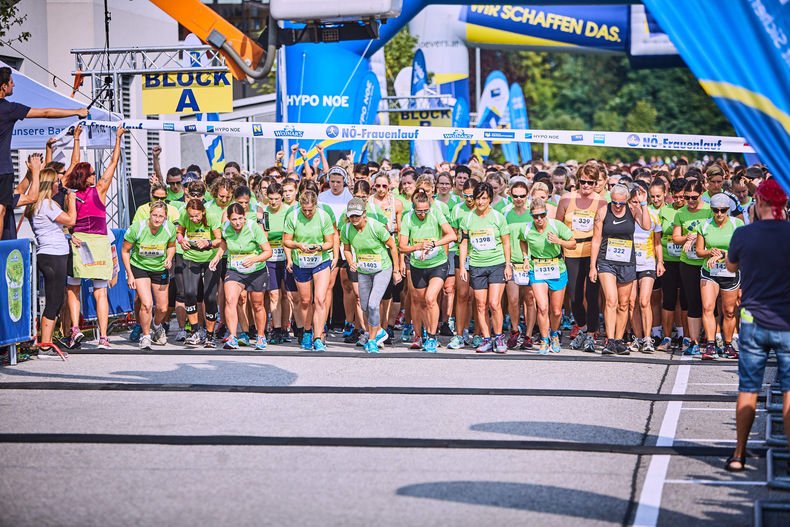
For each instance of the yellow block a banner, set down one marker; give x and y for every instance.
(187, 92)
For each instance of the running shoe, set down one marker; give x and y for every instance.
(456, 343)
(451, 323)
(636, 345)
(477, 340)
(285, 336)
(220, 332)
(647, 346)
(104, 343)
(352, 337)
(609, 348)
(578, 340)
(692, 349)
(260, 343)
(181, 336)
(729, 352)
(666, 345)
(390, 336)
(566, 322)
(485, 346)
(512, 340)
(371, 347)
(526, 343)
(408, 333)
(735, 344)
(710, 353)
(166, 324)
(430, 346)
(209, 342)
(75, 338)
(145, 342)
(244, 340)
(719, 342)
(400, 319)
(363, 339)
(445, 330)
(686, 343)
(318, 345)
(275, 336)
(160, 335)
(545, 346)
(555, 342)
(232, 343)
(298, 334)
(499, 344)
(677, 343)
(621, 348)
(49, 353)
(134, 335)
(193, 339)
(347, 329)
(307, 340)
(381, 337)
(589, 344)
(416, 343)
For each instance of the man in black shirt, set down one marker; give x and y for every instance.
(10, 113)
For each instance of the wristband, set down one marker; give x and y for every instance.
(180, 239)
(643, 203)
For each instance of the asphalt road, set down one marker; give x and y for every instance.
(204, 437)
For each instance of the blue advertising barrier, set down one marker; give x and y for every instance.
(16, 313)
(121, 298)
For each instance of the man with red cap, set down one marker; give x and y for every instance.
(761, 250)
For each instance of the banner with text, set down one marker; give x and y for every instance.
(15, 309)
(187, 92)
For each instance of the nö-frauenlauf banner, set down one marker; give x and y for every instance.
(341, 132)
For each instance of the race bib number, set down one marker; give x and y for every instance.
(643, 256)
(546, 269)
(309, 260)
(430, 253)
(199, 235)
(619, 250)
(482, 239)
(278, 253)
(583, 220)
(719, 269)
(369, 263)
(692, 253)
(237, 262)
(156, 250)
(674, 249)
(520, 274)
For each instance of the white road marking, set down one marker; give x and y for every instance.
(733, 441)
(711, 482)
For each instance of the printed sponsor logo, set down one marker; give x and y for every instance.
(499, 135)
(458, 134)
(190, 128)
(257, 129)
(227, 129)
(599, 139)
(209, 128)
(577, 137)
(332, 131)
(496, 92)
(632, 140)
(546, 136)
(528, 135)
(169, 126)
(288, 131)
(367, 134)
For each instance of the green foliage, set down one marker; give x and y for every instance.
(10, 17)
(399, 150)
(399, 53)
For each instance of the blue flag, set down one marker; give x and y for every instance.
(518, 118)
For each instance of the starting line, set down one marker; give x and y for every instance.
(351, 132)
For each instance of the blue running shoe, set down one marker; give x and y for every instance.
(408, 333)
(566, 323)
(545, 346)
(349, 327)
(318, 345)
(232, 343)
(381, 336)
(244, 340)
(260, 344)
(307, 340)
(477, 340)
(555, 342)
(430, 346)
(371, 347)
(692, 350)
(137, 330)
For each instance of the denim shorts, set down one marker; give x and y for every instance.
(754, 343)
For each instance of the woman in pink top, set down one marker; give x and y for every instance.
(90, 245)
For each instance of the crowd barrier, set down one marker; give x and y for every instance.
(18, 293)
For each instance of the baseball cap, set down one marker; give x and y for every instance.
(356, 207)
(189, 177)
(720, 200)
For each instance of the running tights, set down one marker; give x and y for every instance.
(53, 267)
(371, 291)
(670, 284)
(194, 273)
(578, 276)
(689, 278)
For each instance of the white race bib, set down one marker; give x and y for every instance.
(196, 236)
(546, 269)
(583, 220)
(520, 274)
(155, 250)
(369, 263)
(482, 239)
(692, 253)
(719, 269)
(278, 253)
(643, 256)
(618, 250)
(430, 253)
(674, 249)
(237, 262)
(309, 260)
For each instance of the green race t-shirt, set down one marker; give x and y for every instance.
(369, 246)
(515, 224)
(500, 205)
(242, 244)
(275, 234)
(310, 231)
(149, 251)
(173, 196)
(372, 210)
(689, 222)
(430, 229)
(405, 200)
(485, 237)
(197, 231)
(718, 237)
(671, 250)
(540, 248)
(214, 212)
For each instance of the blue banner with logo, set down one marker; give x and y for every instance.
(741, 56)
(366, 106)
(517, 106)
(121, 298)
(456, 145)
(15, 309)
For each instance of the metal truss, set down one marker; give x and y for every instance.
(157, 59)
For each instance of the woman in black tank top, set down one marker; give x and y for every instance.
(613, 259)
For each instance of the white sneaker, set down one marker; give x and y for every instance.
(160, 336)
(145, 342)
(181, 336)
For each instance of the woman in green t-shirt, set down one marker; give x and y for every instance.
(199, 240)
(486, 239)
(370, 261)
(246, 249)
(713, 242)
(463, 292)
(274, 222)
(425, 231)
(149, 247)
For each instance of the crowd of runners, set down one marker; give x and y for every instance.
(622, 258)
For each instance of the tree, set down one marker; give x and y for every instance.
(9, 18)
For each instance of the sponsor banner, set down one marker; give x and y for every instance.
(419, 75)
(518, 118)
(187, 92)
(354, 132)
(493, 104)
(15, 310)
(436, 117)
(455, 142)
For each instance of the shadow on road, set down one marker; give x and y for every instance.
(576, 432)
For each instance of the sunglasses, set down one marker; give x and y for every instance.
(720, 211)
(159, 198)
(469, 196)
(693, 198)
(586, 182)
(539, 215)
(518, 196)
(620, 203)
(421, 211)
